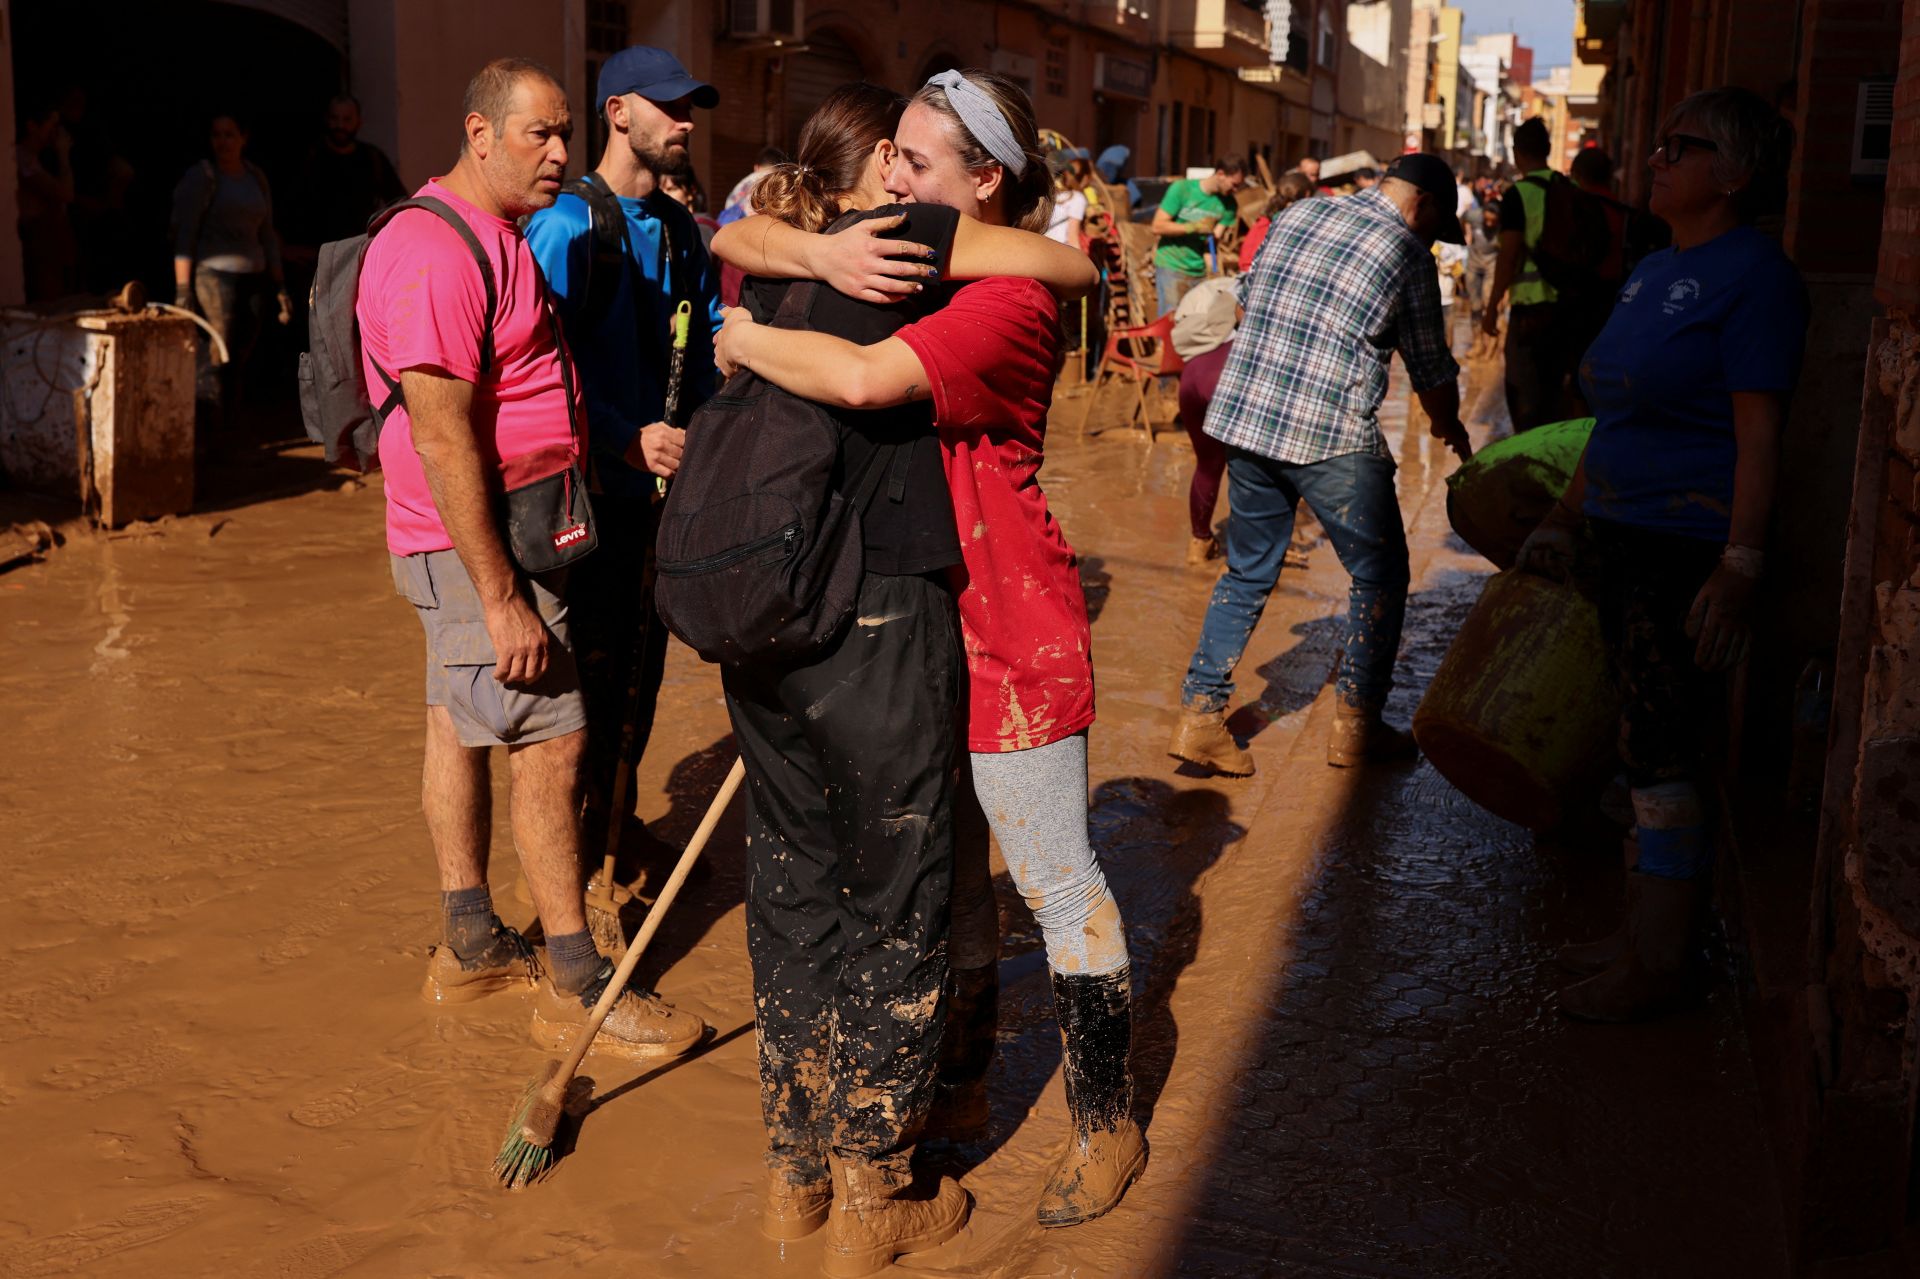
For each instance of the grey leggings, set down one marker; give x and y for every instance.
(1036, 803)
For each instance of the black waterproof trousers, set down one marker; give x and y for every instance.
(849, 873)
(616, 629)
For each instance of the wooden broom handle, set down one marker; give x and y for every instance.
(651, 925)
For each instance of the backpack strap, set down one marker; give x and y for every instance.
(610, 251)
(445, 213)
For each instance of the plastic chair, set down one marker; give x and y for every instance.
(1149, 355)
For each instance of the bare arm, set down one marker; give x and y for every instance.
(441, 409)
(816, 366)
(1163, 224)
(1513, 246)
(859, 261)
(1758, 420)
(980, 250)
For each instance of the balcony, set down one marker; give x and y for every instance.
(1229, 33)
(1596, 29)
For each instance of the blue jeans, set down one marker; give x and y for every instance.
(1353, 497)
(1171, 286)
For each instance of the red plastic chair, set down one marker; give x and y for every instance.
(1149, 355)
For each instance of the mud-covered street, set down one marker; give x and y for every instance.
(220, 898)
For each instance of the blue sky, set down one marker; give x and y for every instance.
(1545, 26)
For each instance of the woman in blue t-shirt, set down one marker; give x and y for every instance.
(1688, 383)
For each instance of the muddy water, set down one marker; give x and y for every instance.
(220, 897)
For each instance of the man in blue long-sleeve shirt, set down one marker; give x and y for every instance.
(616, 288)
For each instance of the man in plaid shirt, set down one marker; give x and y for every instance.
(1337, 287)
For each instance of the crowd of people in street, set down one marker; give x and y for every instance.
(905, 272)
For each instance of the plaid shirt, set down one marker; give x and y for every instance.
(1336, 287)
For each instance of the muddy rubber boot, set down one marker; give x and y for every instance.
(507, 961)
(641, 1026)
(959, 1112)
(1360, 736)
(1202, 551)
(1649, 976)
(1107, 1150)
(1201, 737)
(878, 1215)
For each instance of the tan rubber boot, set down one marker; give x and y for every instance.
(1649, 976)
(794, 1211)
(1201, 737)
(642, 1026)
(1360, 736)
(877, 1217)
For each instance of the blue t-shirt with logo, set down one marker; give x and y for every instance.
(1688, 330)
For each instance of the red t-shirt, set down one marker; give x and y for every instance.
(991, 355)
(423, 305)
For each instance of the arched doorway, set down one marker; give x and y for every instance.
(936, 62)
(829, 62)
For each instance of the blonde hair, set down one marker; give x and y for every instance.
(1029, 196)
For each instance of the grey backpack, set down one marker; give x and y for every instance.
(339, 414)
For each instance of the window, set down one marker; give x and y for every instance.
(1179, 138)
(609, 30)
(1056, 68)
(1329, 50)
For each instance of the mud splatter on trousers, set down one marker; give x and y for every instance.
(849, 874)
(614, 626)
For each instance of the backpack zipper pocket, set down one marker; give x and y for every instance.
(788, 536)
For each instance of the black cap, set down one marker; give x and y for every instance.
(1431, 174)
(655, 75)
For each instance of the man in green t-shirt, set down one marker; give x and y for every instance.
(1187, 215)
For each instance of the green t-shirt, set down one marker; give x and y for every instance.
(1187, 201)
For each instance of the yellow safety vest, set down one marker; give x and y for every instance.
(1529, 288)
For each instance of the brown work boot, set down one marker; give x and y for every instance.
(878, 1216)
(1202, 551)
(1201, 737)
(641, 1026)
(793, 1210)
(507, 962)
(1107, 1150)
(1649, 975)
(1360, 735)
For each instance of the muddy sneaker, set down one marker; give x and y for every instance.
(642, 1026)
(507, 962)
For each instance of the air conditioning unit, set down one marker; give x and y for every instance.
(1873, 128)
(766, 19)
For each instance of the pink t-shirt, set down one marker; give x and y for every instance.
(423, 305)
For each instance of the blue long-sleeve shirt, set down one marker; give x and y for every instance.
(623, 363)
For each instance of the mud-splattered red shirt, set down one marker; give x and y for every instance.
(991, 355)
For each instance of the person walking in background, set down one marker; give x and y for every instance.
(1483, 252)
(342, 182)
(1689, 381)
(684, 189)
(620, 253)
(226, 259)
(1338, 286)
(1069, 201)
(1539, 351)
(500, 665)
(1292, 185)
(739, 201)
(1185, 222)
(1203, 327)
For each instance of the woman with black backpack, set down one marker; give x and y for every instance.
(988, 359)
(849, 749)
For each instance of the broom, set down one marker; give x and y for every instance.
(527, 1153)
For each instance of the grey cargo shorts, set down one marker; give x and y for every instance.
(460, 656)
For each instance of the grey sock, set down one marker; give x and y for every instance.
(572, 961)
(467, 920)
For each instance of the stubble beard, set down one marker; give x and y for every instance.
(670, 161)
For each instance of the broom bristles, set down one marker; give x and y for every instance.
(527, 1153)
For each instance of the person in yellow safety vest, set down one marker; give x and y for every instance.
(1538, 350)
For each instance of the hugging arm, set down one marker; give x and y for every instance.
(816, 366)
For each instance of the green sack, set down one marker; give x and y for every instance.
(1494, 501)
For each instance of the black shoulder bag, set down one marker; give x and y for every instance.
(549, 516)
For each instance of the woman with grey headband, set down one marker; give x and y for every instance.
(988, 359)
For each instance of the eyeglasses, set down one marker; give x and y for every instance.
(1675, 145)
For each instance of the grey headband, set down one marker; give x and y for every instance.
(981, 115)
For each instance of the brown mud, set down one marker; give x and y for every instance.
(220, 900)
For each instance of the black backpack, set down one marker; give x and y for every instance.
(1575, 236)
(339, 414)
(759, 554)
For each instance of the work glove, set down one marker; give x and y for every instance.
(183, 296)
(1719, 622)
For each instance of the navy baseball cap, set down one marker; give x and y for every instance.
(655, 75)
(1432, 175)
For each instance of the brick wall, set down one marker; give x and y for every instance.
(1898, 284)
(1834, 220)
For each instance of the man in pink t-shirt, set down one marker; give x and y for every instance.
(500, 671)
